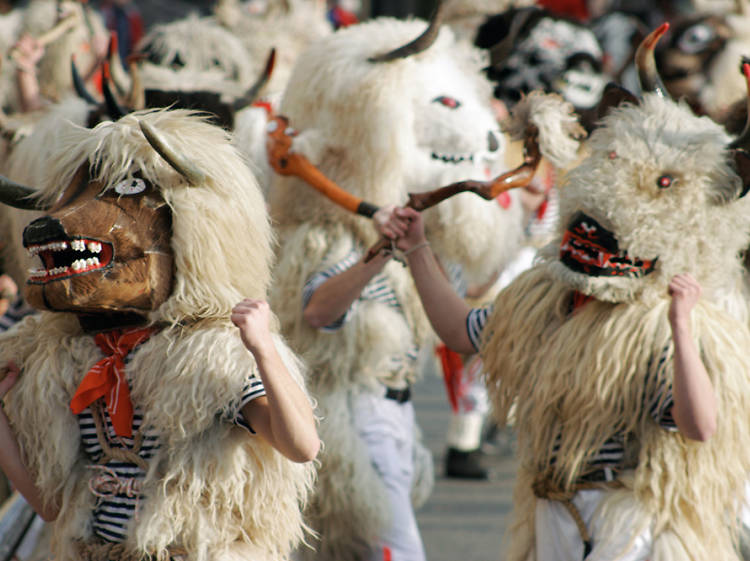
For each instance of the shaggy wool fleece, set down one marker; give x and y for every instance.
(211, 488)
(662, 182)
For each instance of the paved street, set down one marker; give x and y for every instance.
(463, 520)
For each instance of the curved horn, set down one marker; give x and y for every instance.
(116, 67)
(181, 164)
(421, 43)
(500, 51)
(648, 75)
(113, 108)
(18, 196)
(743, 140)
(79, 86)
(136, 98)
(252, 94)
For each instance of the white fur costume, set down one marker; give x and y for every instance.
(210, 489)
(379, 130)
(587, 373)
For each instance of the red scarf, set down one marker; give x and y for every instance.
(107, 378)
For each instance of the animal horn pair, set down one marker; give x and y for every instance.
(421, 43)
(114, 110)
(179, 162)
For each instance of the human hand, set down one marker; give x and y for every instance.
(685, 292)
(8, 377)
(403, 225)
(8, 288)
(27, 52)
(253, 318)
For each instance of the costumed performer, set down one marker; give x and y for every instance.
(139, 421)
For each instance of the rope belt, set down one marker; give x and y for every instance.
(99, 550)
(545, 487)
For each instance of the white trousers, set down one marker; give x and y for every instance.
(387, 429)
(558, 538)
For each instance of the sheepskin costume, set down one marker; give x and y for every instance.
(210, 490)
(289, 25)
(656, 195)
(55, 81)
(379, 130)
(181, 51)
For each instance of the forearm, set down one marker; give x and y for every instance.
(14, 468)
(333, 298)
(285, 418)
(694, 409)
(445, 309)
(28, 89)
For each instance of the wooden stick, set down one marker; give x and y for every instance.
(518, 177)
(62, 27)
(286, 162)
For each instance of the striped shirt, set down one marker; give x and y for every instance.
(612, 452)
(377, 290)
(117, 484)
(17, 310)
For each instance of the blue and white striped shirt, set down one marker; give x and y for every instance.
(612, 452)
(377, 290)
(117, 484)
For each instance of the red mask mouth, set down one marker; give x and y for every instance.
(68, 258)
(590, 249)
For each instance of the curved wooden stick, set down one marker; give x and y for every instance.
(60, 28)
(286, 162)
(518, 177)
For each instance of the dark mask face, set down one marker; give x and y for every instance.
(102, 252)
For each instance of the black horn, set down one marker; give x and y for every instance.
(18, 196)
(79, 86)
(421, 43)
(740, 146)
(648, 75)
(113, 108)
(254, 92)
(500, 51)
(743, 140)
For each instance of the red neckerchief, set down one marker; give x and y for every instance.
(579, 300)
(107, 378)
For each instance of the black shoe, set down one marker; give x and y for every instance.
(464, 465)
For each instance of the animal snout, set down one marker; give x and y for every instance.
(43, 229)
(493, 144)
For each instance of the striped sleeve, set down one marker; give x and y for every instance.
(475, 322)
(253, 389)
(15, 313)
(661, 404)
(315, 281)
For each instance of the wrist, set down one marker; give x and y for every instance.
(419, 247)
(262, 348)
(680, 326)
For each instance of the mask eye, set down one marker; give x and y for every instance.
(131, 186)
(665, 181)
(696, 38)
(449, 102)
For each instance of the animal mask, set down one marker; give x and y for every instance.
(102, 250)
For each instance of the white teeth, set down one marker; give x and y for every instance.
(54, 246)
(78, 245)
(95, 247)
